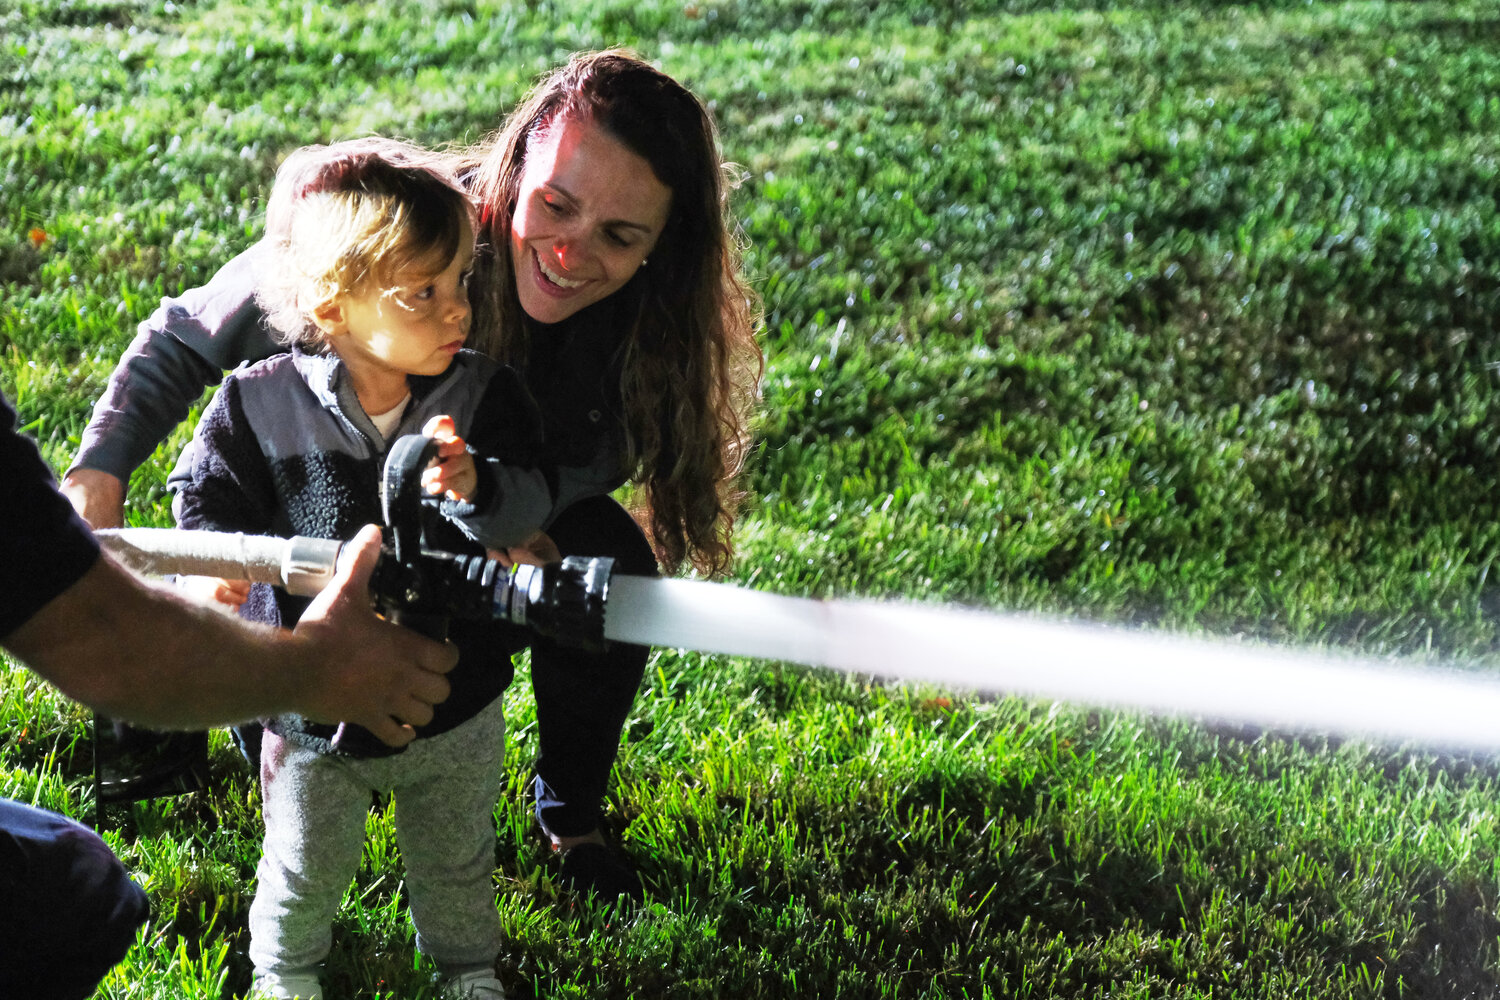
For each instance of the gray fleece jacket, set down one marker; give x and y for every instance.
(285, 449)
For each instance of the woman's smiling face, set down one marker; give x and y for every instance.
(588, 213)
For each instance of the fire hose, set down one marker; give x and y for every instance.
(582, 601)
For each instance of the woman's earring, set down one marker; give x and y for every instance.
(644, 261)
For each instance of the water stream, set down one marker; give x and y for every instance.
(1222, 681)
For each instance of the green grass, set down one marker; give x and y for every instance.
(1164, 314)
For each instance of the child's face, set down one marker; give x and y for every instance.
(413, 327)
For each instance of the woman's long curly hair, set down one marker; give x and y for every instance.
(691, 364)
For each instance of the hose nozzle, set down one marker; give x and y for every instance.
(561, 600)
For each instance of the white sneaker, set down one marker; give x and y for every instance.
(297, 986)
(481, 985)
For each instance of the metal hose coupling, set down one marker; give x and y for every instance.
(561, 600)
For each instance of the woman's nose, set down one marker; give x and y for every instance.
(569, 249)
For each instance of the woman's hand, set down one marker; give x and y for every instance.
(538, 550)
(452, 473)
(98, 497)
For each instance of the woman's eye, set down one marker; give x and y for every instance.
(617, 239)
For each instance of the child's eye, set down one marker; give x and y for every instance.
(426, 293)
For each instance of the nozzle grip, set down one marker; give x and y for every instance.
(401, 493)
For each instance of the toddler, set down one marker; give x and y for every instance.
(364, 276)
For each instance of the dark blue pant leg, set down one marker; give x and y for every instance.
(583, 699)
(69, 910)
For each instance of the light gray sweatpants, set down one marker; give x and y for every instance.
(315, 806)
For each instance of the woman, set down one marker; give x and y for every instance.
(611, 284)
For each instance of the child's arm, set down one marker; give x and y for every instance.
(518, 492)
(500, 505)
(454, 475)
(222, 483)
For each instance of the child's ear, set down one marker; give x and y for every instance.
(329, 317)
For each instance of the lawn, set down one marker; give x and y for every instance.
(1171, 316)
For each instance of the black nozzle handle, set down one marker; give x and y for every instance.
(401, 494)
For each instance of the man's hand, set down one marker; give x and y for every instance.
(369, 671)
(98, 497)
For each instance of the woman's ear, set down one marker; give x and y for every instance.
(328, 316)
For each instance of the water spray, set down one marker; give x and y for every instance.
(583, 602)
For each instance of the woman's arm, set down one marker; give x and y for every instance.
(183, 347)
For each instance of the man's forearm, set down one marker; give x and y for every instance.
(142, 653)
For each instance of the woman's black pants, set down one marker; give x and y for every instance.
(583, 699)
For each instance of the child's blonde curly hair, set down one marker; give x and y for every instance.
(348, 217)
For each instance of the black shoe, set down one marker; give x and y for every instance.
(595, 870)
(132, 764)
(248, 737)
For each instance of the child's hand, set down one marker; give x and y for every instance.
(222, 595)
(538, 550)
(452, 473)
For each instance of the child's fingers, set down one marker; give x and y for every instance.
(454, 477)
(233, 592)
(440, 428)
(441, 472)
(446, 473)
(215, 592)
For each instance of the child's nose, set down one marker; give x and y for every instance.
(458, 308)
